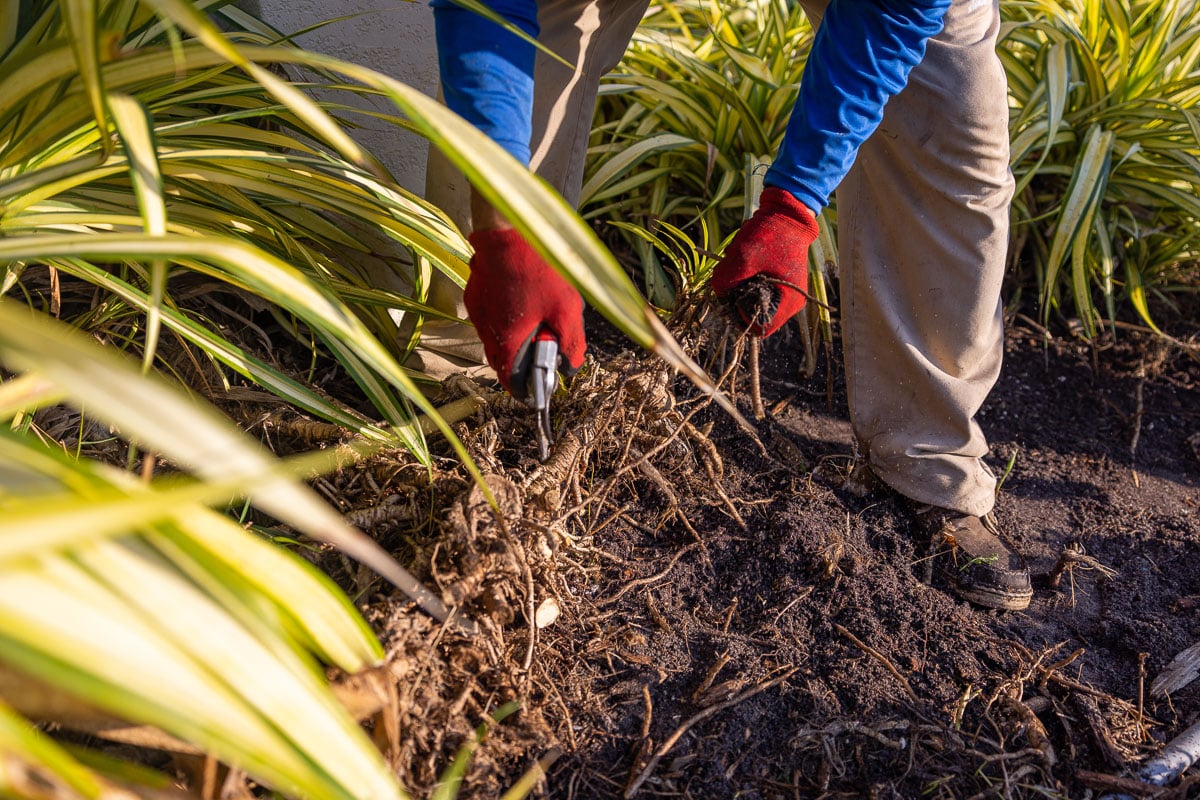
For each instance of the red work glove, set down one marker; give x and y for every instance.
(511, 295)
(772, 247)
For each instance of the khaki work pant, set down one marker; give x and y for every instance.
(922, 235)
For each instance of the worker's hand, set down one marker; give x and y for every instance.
(764, 272)
(513, 293)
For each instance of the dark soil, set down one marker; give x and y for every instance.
(734, 623)
(803, 653)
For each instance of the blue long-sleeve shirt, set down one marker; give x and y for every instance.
(861, 57)
(487, 72)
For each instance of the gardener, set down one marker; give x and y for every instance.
(903, 109)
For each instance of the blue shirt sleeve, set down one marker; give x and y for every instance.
(487, 72)
(862, 55)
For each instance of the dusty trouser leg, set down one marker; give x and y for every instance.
(923, 235)
(447, 348)
(592, 35)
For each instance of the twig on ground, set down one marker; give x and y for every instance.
(649, 711)
(804, 593)
(656, 616)
(658, 576)
(710, 676)
(209, 785)
(648, 770)
(1139, 411)
(1141, 703)
(880, 657)
(729, 615)
(1114, 783)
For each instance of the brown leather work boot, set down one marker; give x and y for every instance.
(971, 556)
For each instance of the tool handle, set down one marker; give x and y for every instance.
(543, 373)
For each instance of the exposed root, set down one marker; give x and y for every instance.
(638, 778)
(1116, 726)
(756, 402)
(1089, 709)
(569, 453)
(881, 658)
(626, 418)
(673, 508)
(1073, 557)
(655, 578)
(307, 431)
(393, 508)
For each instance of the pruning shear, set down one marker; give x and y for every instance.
(540, 385)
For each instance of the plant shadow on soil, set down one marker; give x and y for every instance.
(803, 653)
(800, 652)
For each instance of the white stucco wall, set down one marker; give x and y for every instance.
(392, 36)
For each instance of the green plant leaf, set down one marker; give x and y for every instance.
(123, 631)
(137, 136)
(80, 17)
(20, 741)
(1083, 196)
(151, 413)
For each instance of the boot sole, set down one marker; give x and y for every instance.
(1004, 601)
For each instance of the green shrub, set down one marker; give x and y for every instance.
(1106, 150)
(1106, 140)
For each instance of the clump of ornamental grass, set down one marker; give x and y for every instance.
(685, 130)
(1106, 151)
(1105, 143)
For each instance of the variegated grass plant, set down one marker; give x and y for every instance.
(126, 600)
(142, 150)
(138, 601)
(704, 87)
(1106, 150)
(1106, 142)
